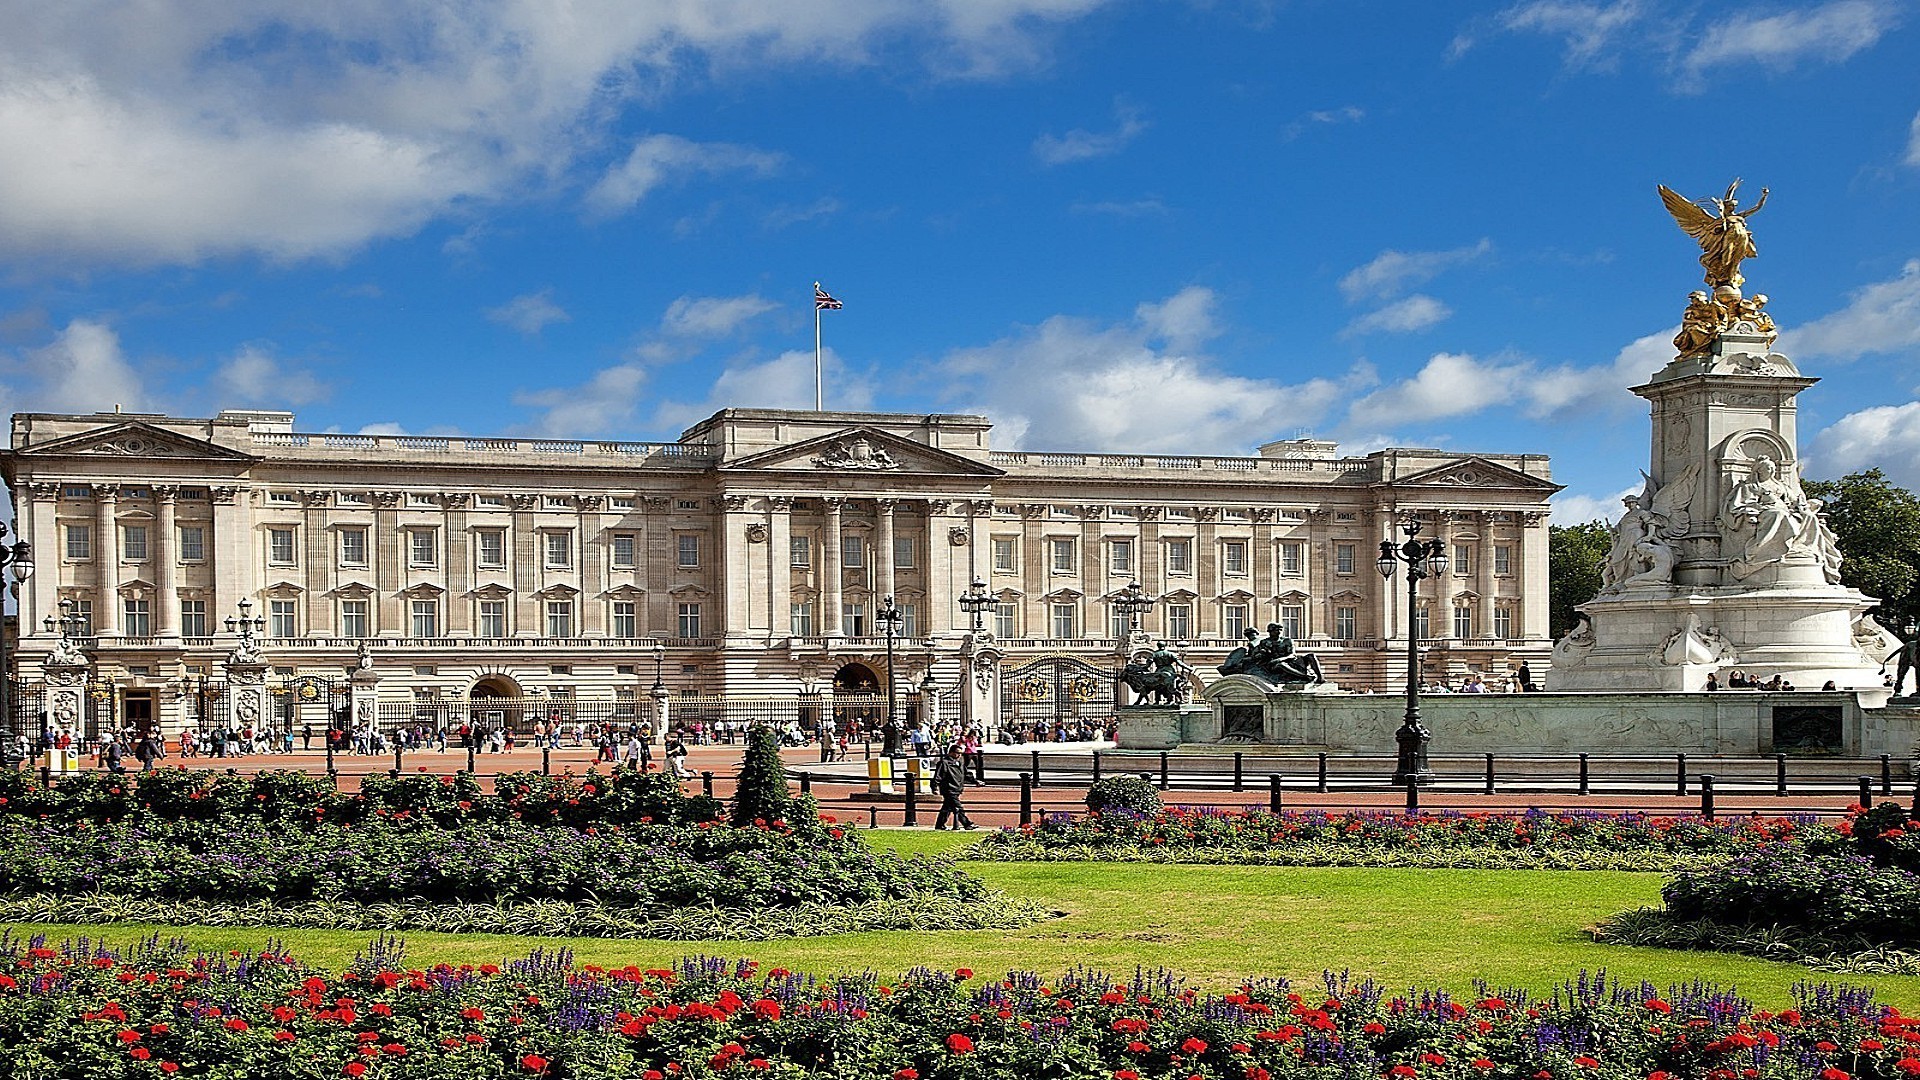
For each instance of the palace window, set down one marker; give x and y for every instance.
(903, 551)
(83, 612)
(1343, 558)
(423, 547)
(1503, 622)
(800, 619)
(853, 551)
(559, 549)
(1462, 621)
(280, 619)
(134, 545)
(853, 618)
(626, 619)
(1343, 623)
(1120, 556)
(1062, 556)
(1179, 621)
(559, 618)
(353, 619)
(1423, 622)
(1292, 557)
(193, 543)
(491, 502)
(353, 547)
(1006, 619)
(1235, 552)
(79, 543)
(799, 551)
(1233, 620)
(1502, 559)
(1119, 624)
(426, 618)
(1179, 556)
(1463, 560)
(280, 547)
(493, 618)
(909, 620)
(193, 618)
(352, 498)
(1002, 555)
(138, 618)
(690, 620)
(623, 551)
(687, 551)
(1293, 620)
(490, 549)
(1066, 621)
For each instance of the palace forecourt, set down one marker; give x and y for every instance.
(746, 560)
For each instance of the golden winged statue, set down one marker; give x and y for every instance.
(1723, 234)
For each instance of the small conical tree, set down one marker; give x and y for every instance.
(762, 792)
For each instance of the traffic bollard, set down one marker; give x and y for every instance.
(1096, 766)
(806, 783)
(397, 764)
(1273, 792)
(546, 761)
(1026, 798)
(1323, 772)
(706, 784)
(1866, 792)
(1706, 796)
(1413, 795)
(1238, 761)
(1489, 774)
(1680, 774)
(1036, 767)
(1163, 770)
(913, 800)
(1586, 788)
(1886, 774)
(1780, 775)
(471, 750)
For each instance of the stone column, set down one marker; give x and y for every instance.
(662, 712)
(830, 576)
(883, 557)
(164, 560)
(1393, 621)
(232, 573)
(1530, 570)
(939, 573)
(42, 591)
(1262, 555)
(1443, 590)
(779, 567)
(1208, 579)
(1151, 578)
(106, 557)
(1483, 576)
(595, 578)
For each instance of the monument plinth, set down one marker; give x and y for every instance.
(1722, 561)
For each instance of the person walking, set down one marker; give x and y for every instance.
(950, 781)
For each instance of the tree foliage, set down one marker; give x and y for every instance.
(762, 791)
(1877, 524)
(1575, 555)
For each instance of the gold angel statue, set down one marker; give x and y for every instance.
(1723, 235)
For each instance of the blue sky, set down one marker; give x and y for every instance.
(1108, 224)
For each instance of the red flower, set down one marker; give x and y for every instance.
(472, 1013)
(1586, 1062)
(906, 1074)
(963, 974)
(1831, 1073)
(1125, 1074)
(533, 1063)
(1194, 1046)
(129, 1036)
(140, 1053)
(959, 1044)
(354, 1068)
(1483, 1063)
(169, 1067)
(767, 1009)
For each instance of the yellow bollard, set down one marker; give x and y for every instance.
(879, 776)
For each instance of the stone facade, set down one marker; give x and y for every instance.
(756, 547)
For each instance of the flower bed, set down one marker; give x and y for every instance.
(1532, 840)
(76, 1011)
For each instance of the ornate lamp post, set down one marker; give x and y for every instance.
(659, 658)
(247, 625)
(890, 619)
(1423, 558)
(975, 602)
(1133, 602)
(18, 555)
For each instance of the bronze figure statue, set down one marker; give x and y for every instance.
(1156, 681)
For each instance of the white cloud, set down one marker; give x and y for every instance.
(1389, 272)
(1567, 390)
(712, 316)
(529, 313)
(1455, 384)
(1345, 114)
(1880, 318)
(174, 131)
(1591, 30)
(1884, 436)
(1403, 316)
(1829, 33)
(1449, 384)
(1580, 509)
(82, 370)
(1141, 385)
(1119, 208)
(1913, 141)
(783, 382)
(602, 406)
(656, 159)
(383, 427)
(1080, 144)
(255, 377)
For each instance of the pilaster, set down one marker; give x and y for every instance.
(106, 559)
(165, 560)
(830, 575)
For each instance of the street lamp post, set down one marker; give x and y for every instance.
(18, 555)
(247, 625)
(1133, 602)
(1423, 558)
(890, 617)
(975, 602)
(659, 658)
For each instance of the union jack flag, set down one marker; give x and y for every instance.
(823, 302)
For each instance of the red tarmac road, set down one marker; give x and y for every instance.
(998, 803)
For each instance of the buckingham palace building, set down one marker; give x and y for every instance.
(750, 557)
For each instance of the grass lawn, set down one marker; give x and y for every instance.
(1213, 924)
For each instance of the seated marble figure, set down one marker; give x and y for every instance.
(1273, 658)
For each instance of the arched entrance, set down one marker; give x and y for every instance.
(859, 698)
(494, 703)
(855, 678)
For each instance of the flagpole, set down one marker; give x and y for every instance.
(819, 401)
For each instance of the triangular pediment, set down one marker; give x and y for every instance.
(862, 451)
(353, 590)
(135, 439)
(1476, 472)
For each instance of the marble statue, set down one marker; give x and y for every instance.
(248, 652)
(1694, 644)
(1769, 520)
(1724, 237)
(66, 654)
(1643, 542)
(1156, 680)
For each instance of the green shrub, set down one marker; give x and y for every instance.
(1130, 793)
(762, 792)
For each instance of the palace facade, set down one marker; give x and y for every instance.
(756, 549)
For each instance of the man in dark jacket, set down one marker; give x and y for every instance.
(950, 780)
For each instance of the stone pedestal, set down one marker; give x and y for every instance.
(247, 685)
(980, 658)
(66, 700)
(1163, 727)
(363, 697)
(662, 713)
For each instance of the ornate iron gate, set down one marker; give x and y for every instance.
(303, 700)
(1055, 690)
